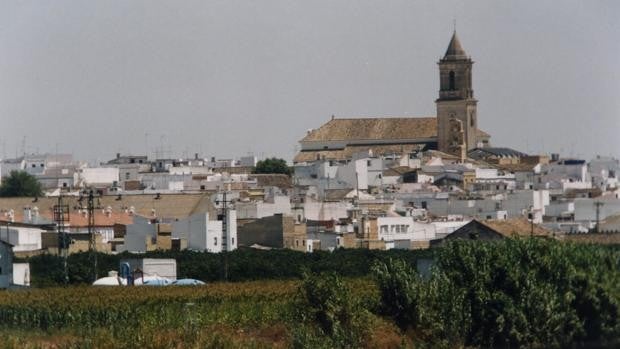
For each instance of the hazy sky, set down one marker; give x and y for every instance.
(226, 78)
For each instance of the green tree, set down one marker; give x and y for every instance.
(273, 165)
(20, 183)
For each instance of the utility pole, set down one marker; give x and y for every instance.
(223, 216)
(92, 242)
(598, 205)
(61, 215)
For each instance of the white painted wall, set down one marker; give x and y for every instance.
(404, 228)
(21, 274)
(231, 230)
(201, 233)
(347, 173)
(22, 238)
(325, 211)
(259, 209)
(98, 175)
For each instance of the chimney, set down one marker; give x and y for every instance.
(27, 215)
(195, 156)
(213, 159)
(118, 155)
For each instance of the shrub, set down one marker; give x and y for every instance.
(513, 293)
(325, 308)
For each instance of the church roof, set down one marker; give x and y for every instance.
(502, 152)
(455, 50)
(374, 128)
(350, 150)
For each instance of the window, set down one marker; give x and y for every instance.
(368, 163)
(232, 240)
(202, 187)
(452, 81)
(34, 165)
(424, 204)
(41, 165)
(127, 174)
(215, 241)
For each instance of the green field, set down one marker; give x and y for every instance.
(531, 293)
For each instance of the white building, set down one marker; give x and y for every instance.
(259, 209)
(203, 234)
(23, 237)
(391, 229)
(137, 234)
(90, 176)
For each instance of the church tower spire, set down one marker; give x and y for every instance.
(456, 106)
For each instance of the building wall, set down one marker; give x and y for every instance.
(293, 238)
(325, 211)
(6, 265)
(23, 238)
(232, 239)
(97, 175)
(404, 228)
(137, 235)
(201, 233)
(585, 209)
(267, 231)
(260, 209)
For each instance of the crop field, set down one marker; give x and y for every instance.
(533, 293)
(247, 314)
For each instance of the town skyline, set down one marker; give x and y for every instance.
(227, 79)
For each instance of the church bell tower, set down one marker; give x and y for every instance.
(457, 122)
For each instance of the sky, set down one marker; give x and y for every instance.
(231, 78)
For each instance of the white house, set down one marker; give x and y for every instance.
(391, 229)
(85, 177)
(280, 204)
(23, 237)
(203, 234)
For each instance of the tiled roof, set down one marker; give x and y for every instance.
(592, 238)
(81, 220)
(481, 153)
(375, 128)
(455, 49)
(516, 227)
(167, 206)
(336, 194)
(349, 151)
(481, 134)
(272, 180)
(397, 171)
(520, 167)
